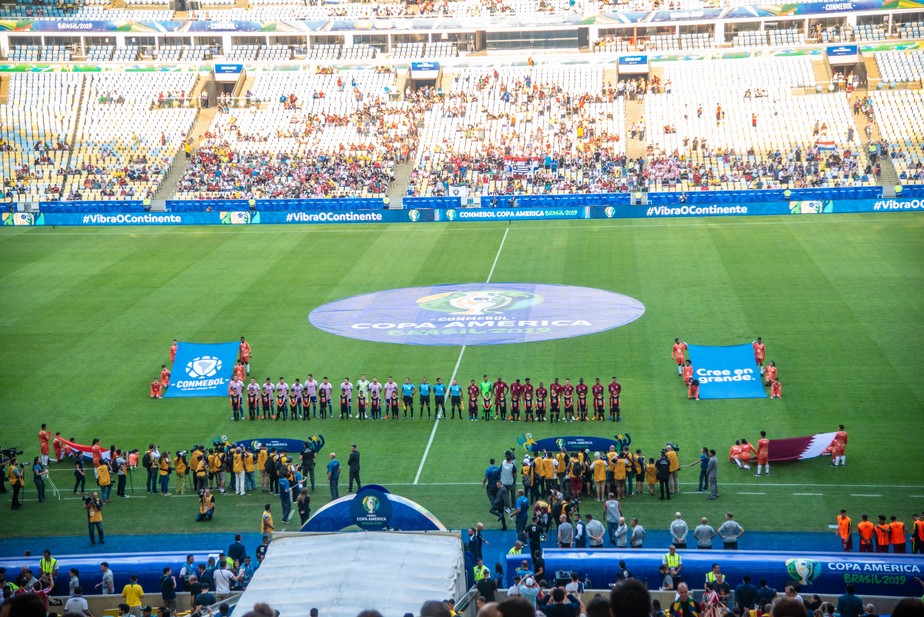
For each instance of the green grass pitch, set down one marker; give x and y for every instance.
(88, 316)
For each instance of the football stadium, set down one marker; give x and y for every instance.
(410, 308)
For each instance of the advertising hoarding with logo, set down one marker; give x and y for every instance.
(821, 573)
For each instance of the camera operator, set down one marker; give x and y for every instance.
(4, 459)
(94, 507)
(16, 481)
(181, 468)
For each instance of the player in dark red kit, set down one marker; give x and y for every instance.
(473, 392)
(555, 401)
(375, 404)
(235, 397)
(294, 404)
(567, 399)
(597, 391)
(282, 405)
(266, 400)
(528, 393)
(615, 390)
(253, 392)
(500, 390)
(516, 391)
(541, 394)
(581, 390)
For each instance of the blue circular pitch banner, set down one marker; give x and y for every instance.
(476, 314)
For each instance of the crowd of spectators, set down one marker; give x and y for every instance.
(492, 132)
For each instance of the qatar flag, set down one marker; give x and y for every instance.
(800, 448)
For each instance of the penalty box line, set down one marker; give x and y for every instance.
(455, 370)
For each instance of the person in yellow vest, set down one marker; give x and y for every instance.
(181, 467)
(481, 571)
(214, 463)
(94, 508)
(104, 480)
(249, 480)
(15, 476)
(201, 477)
(163, 471)
(261, 466)
(599, 475)
(673, 561)
(619, 475)
(48, 564)
(237, 466)
(673, 483)
(206, 505)
(266, 521)
(194, 459)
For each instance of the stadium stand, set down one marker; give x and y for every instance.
(129, 53)
(38, 127)
(900, 67)
(332, 134)
(911, 30)
(488, 137)
(748, 131)
(100, 53)
(116, 159)
(898, 114)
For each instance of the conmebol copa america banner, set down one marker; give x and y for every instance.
(202, 369)
(726, 372)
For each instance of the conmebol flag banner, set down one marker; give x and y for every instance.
(800, 448)
(202, 369)
(726, 372)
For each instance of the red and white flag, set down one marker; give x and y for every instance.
(800, 448)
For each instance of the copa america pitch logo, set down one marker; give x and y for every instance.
(610, 212)
(203, 367)
(413, 215)
(476, 314)
(479, 302)
(805, 571)
(450, 215)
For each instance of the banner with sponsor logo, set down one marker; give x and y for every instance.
(510, 214)
(202, 369)
(373, 508)
(476, 314)
(816, 572)
(283, 444)
(455, 214)
(726, 372)
(573, 443)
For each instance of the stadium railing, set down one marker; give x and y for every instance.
(89, 207)
(276, 205)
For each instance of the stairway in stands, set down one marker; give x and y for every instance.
(822, 72)
(4, 90)
(398, 188)
(167, 188)
(888, 177)
(635, 113)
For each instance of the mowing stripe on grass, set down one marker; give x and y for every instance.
(455, 370)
